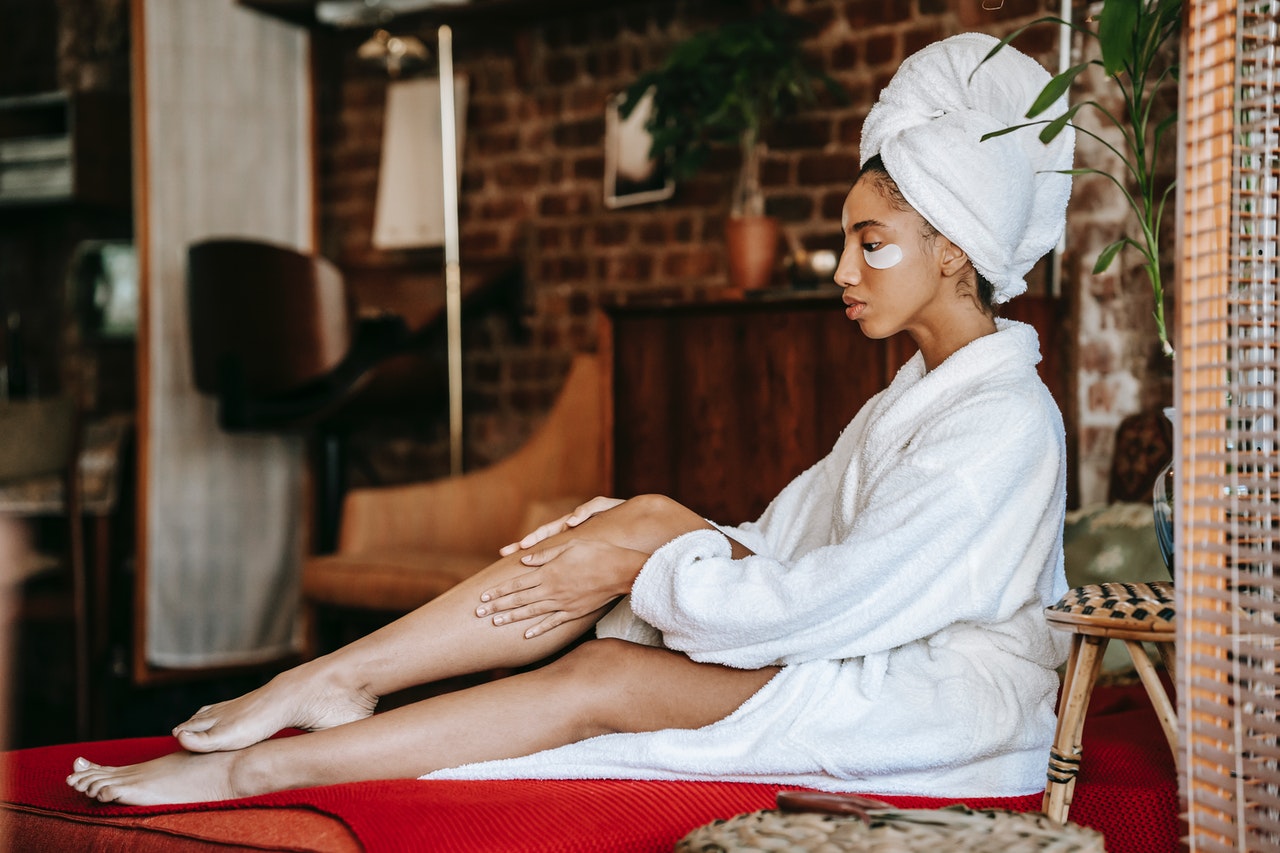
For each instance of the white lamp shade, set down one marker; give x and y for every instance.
(410, 207)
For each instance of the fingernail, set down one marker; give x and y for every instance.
(526, 558)
(480, 611)
(484, 597)
(498, 620)
(529, 635)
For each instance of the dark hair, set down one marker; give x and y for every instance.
(884, 184)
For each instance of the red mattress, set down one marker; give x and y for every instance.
(1127, 791)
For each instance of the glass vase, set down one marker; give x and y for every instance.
(1162, 505)
(1162, 508)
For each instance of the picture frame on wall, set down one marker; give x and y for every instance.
(631, 175)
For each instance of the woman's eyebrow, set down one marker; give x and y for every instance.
(867, 223)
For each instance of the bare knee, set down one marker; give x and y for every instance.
(599, 661)
(647, 522)
(660, 519)
(598, 677)
(660, 506)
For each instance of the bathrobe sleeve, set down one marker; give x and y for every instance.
(952, 528)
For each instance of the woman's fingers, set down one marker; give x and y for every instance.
(553, 620)
(592, 507)
(497, 598)
(528, 611)
(580, 514)
(546, 555)
(551, 528)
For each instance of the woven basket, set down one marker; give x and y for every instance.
(955, 828)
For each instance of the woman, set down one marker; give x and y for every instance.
(879, 628)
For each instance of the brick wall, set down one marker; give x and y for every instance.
(1120, 367)
(532, 186)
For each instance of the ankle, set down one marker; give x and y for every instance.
(249, 772)
(343, 673)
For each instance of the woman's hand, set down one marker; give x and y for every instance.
(551, 528)
(566, 581)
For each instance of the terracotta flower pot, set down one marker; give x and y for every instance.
(752, 243)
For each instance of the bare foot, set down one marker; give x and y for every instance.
(181, 777)
(307, 697)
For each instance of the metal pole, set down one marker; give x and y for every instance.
(452, 265)
(1064, 62)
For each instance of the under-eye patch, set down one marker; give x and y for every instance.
(883, 256)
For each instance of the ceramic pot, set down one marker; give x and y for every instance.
(752, 243)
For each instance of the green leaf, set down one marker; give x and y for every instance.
(1166, 123)
(993, 134)
(1055, 89)
(1107, 255)
(1053, 128)
(1117, 24)
(1048, 19)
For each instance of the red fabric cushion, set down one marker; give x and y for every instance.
(1126, 790)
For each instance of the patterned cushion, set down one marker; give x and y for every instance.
(1126, 606)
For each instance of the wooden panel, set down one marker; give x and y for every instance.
(720, 405)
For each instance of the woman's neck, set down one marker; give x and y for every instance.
(962, 329)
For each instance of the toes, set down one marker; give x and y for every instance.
(103, 791)
(201, 741)
(83, 780)
(195, 724)
(84, 768)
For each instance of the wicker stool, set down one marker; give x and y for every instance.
(1095, 615)
(890, 830)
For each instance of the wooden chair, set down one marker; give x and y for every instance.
(1096, 614)
(400, 546)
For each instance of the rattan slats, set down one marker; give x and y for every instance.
(1228, 381)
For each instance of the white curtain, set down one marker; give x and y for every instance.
(227, 127)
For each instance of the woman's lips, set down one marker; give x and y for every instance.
(854, 309)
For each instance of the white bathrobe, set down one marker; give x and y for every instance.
(900, 582)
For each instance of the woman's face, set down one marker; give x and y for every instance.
(890, 272)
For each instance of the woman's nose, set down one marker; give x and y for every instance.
(847, 272)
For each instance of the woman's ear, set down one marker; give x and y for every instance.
(952, 258)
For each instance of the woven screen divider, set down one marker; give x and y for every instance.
(1228, 368)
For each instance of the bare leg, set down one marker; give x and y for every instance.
(441, 639)
(603, 686)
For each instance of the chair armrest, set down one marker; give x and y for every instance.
(482, 510)
(476, 512)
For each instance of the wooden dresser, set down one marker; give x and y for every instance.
(719, 404)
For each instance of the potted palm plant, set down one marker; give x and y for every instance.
(1132, 38)
(1134, 54)
(727, 86)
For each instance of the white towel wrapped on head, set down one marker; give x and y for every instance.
(1002, 200)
